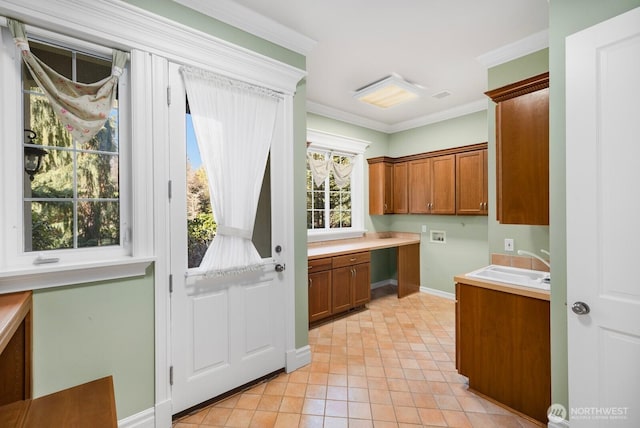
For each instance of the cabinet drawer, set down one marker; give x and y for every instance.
(351, 259)
(318, 265)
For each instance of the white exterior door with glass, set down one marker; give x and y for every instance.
(229, 330)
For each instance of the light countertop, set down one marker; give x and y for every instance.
(504, 287)
(371, 241)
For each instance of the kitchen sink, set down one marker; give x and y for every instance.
(516, 276)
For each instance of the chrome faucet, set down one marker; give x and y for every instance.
(527, 253)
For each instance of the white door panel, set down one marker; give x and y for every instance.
(603, 239)
(225, 331)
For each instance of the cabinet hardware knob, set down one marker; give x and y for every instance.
(353, 259)
(310, 282)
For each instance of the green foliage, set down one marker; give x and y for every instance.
(96, 178)
(201, 226)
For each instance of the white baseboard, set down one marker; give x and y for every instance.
(383, 283)
(439, 293)
(144, 419)
(164, 414)
(297, 358)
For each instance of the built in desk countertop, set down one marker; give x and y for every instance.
(371, 241)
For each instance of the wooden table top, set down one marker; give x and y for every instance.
(91, 404)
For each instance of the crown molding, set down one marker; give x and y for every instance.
(354, 119)
(452, 113)
(252, 22)
(124, 26)
(522, 47)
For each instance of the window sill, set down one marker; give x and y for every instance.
(333, 235)
(48, 276)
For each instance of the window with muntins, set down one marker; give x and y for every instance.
(328, 206)
(335, 207)
(73, 201)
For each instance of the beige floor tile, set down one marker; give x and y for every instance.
(389, 366)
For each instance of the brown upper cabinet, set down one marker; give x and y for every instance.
(425, 183)
(432, 185)
(471, 183)
(381, 186)
(522, 151)
(400, 200)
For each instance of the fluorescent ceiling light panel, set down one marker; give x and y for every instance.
(388, 92)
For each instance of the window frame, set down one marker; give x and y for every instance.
(72, 265)
(320, 141)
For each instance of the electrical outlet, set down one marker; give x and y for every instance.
(424, 228)
(508, 244)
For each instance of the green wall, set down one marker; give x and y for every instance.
(530, 238)
(300, 215)
(84, 332)
(466, 236)
(566, 18)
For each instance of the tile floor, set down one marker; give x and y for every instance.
(392, 365)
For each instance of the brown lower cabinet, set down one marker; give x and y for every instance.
(503, 347)
(338, 284)
(319, 289)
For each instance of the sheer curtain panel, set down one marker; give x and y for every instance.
(82, 108)
(234, 123)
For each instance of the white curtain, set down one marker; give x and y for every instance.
(234, 123)
(342, 172)
(320, 169)
(82, 108)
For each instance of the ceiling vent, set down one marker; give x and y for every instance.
(440, 95)
(388, 92)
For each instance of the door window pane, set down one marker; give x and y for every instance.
(201, 224)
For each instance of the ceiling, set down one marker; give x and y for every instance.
(438, 44)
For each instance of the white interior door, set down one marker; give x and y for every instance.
(225, 331)
(603, 238)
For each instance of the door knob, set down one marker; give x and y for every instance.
(280, 268)
(580, 308)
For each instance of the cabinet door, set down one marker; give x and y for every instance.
(319, 295)
(400, 200)
(341, 279)
(522, 151)
(361, 284)
(380, 188)
(471, 183)
(419, 186)
(523, 141)
(443, 185)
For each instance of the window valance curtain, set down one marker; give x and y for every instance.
(320, 169)
(234, 123)
(82, 108)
